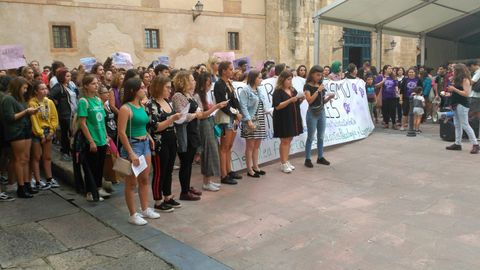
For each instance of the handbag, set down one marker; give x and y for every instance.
(123, 166)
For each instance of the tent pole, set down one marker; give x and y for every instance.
(379, 49)
(422, 49)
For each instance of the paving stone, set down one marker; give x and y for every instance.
(43, 206)
(38, 264)
(78, 230)
(24, 243)
(77, 259)
(116, 248)
(139, 260)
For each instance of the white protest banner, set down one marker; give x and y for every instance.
(164, 60)
(88, 62)
(225, 56)
(347, 114)
(122, 60)
(11, 56)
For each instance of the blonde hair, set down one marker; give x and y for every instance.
(181, 81)
(212, 60)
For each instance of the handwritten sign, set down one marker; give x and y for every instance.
(122, 60)
(11, 56)
(88, 62)
(237, 61)
(225, 56)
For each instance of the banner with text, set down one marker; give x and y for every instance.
(348, 118)
(11, 56)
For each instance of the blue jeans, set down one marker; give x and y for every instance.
(315, 123)
(460, 120)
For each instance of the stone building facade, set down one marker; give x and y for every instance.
(281, 30)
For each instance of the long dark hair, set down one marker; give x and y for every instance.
(252, 77)
(282, 78)
(15, 86)
(460, 73)
(223, 66)
(298, 70)
(312, 71)
(131, 87)
(200, 89)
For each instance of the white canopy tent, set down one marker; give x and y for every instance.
(412, 18)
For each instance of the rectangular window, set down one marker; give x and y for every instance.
(233, 41)
(152, 39)
(62, 36)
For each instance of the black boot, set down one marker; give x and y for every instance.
(29, 188)
(23, 193)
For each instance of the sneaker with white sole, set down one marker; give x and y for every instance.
(290, 165)
(53, 183)
(89, 198)
(285, 168)
(137, 219)
(210, 187)
(150, 213)
(4, 197)
(42, 185)
(103, 193)
(216, 184)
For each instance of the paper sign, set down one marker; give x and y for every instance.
(237, 61)
(137, 170)
(225, 56)
(88, 62)
(122, 60)
(164, 60)
(11, 56)
(184, 114)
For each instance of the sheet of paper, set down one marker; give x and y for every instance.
(141, 167)
(184, 113)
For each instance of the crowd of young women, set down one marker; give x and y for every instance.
(156, 114)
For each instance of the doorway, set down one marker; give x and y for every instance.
(357, 47)
(355, 56)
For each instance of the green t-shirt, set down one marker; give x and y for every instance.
(95, 115)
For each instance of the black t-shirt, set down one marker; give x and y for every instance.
(318, 102)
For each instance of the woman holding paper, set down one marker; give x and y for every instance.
(187, 131)
(228, 118)
(253, 103)
(136, 143)
(287, 120)
(316, 96)
(162, 131)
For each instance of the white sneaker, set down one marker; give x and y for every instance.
(290, 165)
(53, 183)
(219, 185)
(210, 187)
(33, 183)
(89, 198)
(11, 188)
(150, 213)
(43, 186)
(137, 219)
(5, 197)
(103, 193)
(285, 168)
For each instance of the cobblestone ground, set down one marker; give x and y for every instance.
(48, 232)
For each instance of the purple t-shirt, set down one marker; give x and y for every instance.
(389, 88)
(410, 85)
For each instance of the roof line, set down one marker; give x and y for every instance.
(450, 21)
(471, 33)
(405, 12)
(328, 8)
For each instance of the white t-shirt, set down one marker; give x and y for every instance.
(421, 101)
(475, 78)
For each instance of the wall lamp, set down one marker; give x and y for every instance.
(197, 10)
(393, 44)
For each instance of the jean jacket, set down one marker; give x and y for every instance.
(249, 102)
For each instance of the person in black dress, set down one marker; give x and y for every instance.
(287, 121)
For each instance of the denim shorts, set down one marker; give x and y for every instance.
(229, 125)
(36, 139)
(139, 148)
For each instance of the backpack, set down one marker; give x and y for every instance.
(75, 124)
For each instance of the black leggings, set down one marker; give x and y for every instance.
(185, 173)
(162, 163)
(389, 106)
(65, 137)
(93, 167)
